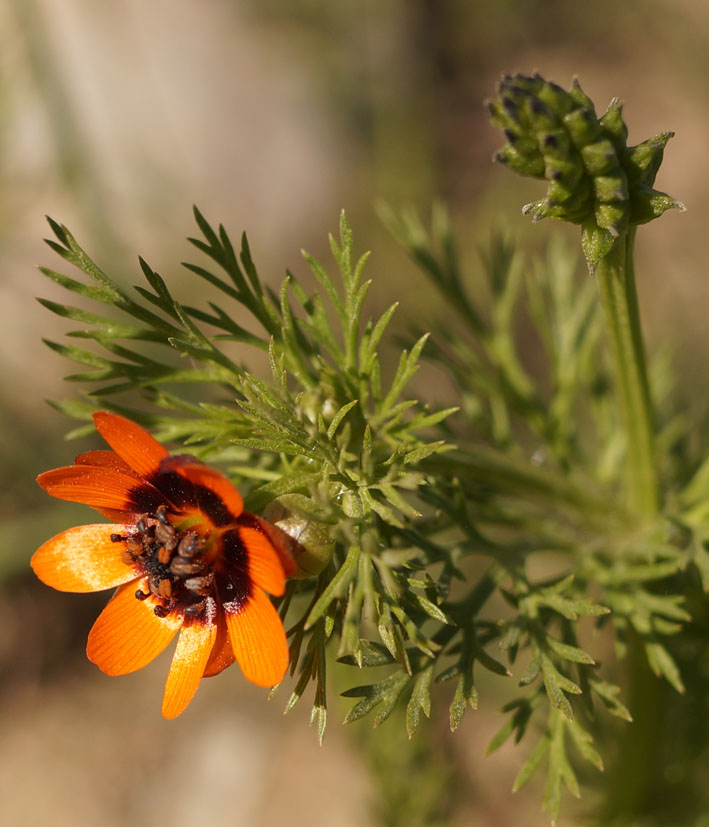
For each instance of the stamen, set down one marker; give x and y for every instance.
(201, 585)
(190, 545)
(178, 575)
(116, 538)
(166, 535)
(185, 568)
(196, 608)
(165, 589)
(162, 516)
(127, 557)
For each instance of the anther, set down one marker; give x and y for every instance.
(200, 585)
(165, 588)
(116, 538)
(140, 595)
(164, 555)
(182, 567)
(127, 557)
(195, 608)
(190, 545)
(161, 611)
(161, 515)
(165, 534)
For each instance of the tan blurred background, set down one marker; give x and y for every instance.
(272, 115)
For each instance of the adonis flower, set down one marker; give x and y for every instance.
(184, 555)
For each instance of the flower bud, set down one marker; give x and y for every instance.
(310, 544)
(594, 179)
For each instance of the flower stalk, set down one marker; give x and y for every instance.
(616, 284)
(597, 181)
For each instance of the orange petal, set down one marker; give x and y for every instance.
(131, 442)
(222, 654)
(106, 459)
(127, 517)
(194, 646)
(258, 639)
(84, 559)
(128, 634)
(99, 487)
(214, 482)
(265, 569)
(281, 542)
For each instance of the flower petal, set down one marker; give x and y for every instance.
(101, 488)
(194, 646)
(105, 459)
(128, 634)
(258, 639)
(214, 495)
(109, 459)
(132, 443)
(265, 569)
(222, 654)
(84, 559)
(282, 544)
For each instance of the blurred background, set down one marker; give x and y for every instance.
(271, 116)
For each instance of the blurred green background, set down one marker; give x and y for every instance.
(272, 115)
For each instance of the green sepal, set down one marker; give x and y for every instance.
(649, 203)
(596, 242)
(643, 161)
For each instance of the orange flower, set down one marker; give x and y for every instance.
(184, 555)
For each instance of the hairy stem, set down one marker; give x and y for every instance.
(616, 281)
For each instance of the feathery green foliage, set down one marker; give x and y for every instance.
(474, 546)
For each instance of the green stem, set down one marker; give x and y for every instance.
(634, 785)
(631, 787)
(616, 281)
(539, 484)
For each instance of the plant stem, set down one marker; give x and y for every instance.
(635, 785)
(631, 787)
(616, 281)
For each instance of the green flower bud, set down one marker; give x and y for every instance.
(594, 179)
(311, 546)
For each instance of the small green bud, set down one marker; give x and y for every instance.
(310, 543)
(593, 178)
